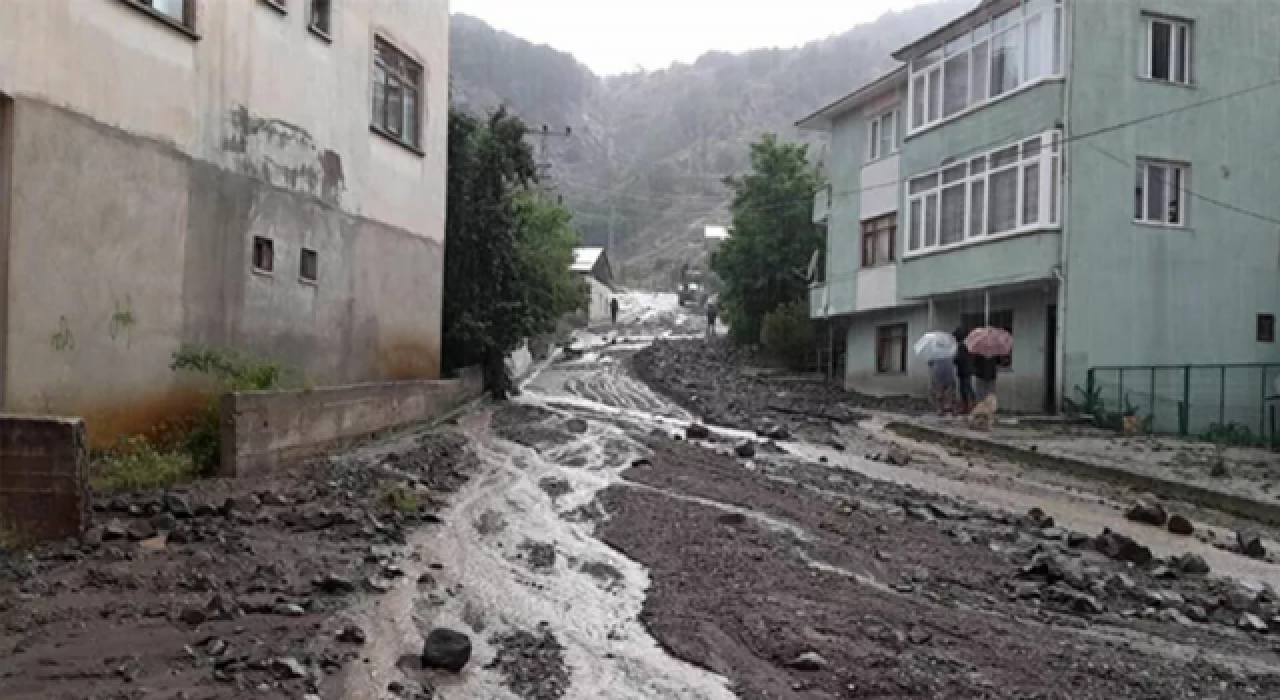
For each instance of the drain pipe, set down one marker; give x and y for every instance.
(1061, 272)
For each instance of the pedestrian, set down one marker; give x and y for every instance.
(985, 370)
(942, 382)
(613, 310)
(711, 319)
(964, 371)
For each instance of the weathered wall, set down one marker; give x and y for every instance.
(264, 431)
(44, 479)
(144, 163)
(598, 304)
(1138, 294)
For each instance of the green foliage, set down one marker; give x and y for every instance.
(232, 372)
(508, 248)
(402, 500)
(1234, 435)
(787, 333)
(764, 264)
(135, 464)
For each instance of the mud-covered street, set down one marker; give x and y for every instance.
(699, 533)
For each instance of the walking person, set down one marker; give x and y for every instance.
(711, 319)
(942, 380)
(964, 372)
(986, 369)
(613, 310)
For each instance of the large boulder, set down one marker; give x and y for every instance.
(1147, 511)
(1251, 544)
(1180, 525)
(446, 649)
(1122, 547)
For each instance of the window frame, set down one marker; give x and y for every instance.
(280, 6)
(926, 192)
(885, 335)
(186, 25)
(869, 232)
(303, 254)
(1182, 187)
(270, 247)
(978, 43)
(1265, 328)
(1182, 53)
(875, 133)
(325, 32)
(378, 64)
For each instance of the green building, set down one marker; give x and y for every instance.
(1097, 176)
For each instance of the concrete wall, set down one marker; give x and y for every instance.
(44, 479)
(598, 306)
(145, 162)
(1138, 294)
(266, 431)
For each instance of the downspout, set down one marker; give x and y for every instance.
(1064, 197)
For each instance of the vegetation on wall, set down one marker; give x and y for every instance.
(764, 264)
(508, 248)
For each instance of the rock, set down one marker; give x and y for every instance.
(732, 519)
(808, 661)
(1077, 539)
(216, 647)
(1149, 512)
(446, 649)
(1251, 544)
(1078, 602)
(335, 585)
(697, 431)
(897, 457)
(1197, 613)
(94, 536)
(947, 512)
(192, 616)
(641, 462)
(287, 668)
(1119, 583)
(745, 449)
(1253, 623)
(919, 635)
(178, 505)
(351, 634)
(141, 530)
(577, 426)
(288, 609)
(1022, 590)
(1122, 547)
(114, 530)
(271, 498)
(1163, 573)
(1190, 563)
(164, 522)
(1179, 525)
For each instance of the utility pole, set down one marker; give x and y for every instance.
(540, 157)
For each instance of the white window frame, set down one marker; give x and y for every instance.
(1181, 185)
(927, 71)
(1182, 49)
(929, 198)
(875, 128)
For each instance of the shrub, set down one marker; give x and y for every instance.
(787, 334)
(135, 464)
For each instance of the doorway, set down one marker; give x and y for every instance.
(1050, 359)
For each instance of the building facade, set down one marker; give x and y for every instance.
(1096, 176)
(262, 175)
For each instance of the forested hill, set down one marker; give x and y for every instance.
(648, 150)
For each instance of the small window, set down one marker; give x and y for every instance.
(1168, 50)
(883, 136)
(1266, 328)
(397, 87)
(179, 12)
(264, 254)
(878, 239)
(309, 265)
(1160, 193)
(891, 349)
(321, 16)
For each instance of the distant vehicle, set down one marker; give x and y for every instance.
(692, 290)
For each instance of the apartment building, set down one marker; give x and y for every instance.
(1096, 176)
(264, 175)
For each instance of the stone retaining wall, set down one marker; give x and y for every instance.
(44, 478)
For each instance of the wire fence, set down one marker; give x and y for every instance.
(1234, 403)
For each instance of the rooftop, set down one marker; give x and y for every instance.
(821, 120)
(585, 259)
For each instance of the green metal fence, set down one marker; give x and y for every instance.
(1231, 402)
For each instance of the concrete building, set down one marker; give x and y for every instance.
(591, 264)
(1097, 176)
(265, 175)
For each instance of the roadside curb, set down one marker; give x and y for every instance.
(1230, 503)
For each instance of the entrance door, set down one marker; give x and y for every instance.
(1050, 359)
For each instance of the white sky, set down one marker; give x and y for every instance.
(616, 36)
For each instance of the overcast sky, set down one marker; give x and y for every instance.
(616, 36)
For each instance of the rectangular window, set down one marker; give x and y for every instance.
(882, 138)
(1266, 328)
(181, 12)
(321, 17)
(1168, 52)
(993, 59)
(1004, 191)
(309, 265)
(1160, 193)
(397, 83)
(878, 236)
(891, 349)
(264, 254)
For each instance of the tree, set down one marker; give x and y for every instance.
(763, 264)
(507, 249)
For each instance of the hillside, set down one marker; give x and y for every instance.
(648, 151)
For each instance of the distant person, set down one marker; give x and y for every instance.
(964, 371)
(942, 381)
(613, 310)
(986, 369)
(711, 319)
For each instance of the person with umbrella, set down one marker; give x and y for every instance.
(988, 345)
(938, 349)
(963, 361)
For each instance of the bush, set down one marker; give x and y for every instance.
(787, 334)
(232, 372)
(135, 464)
